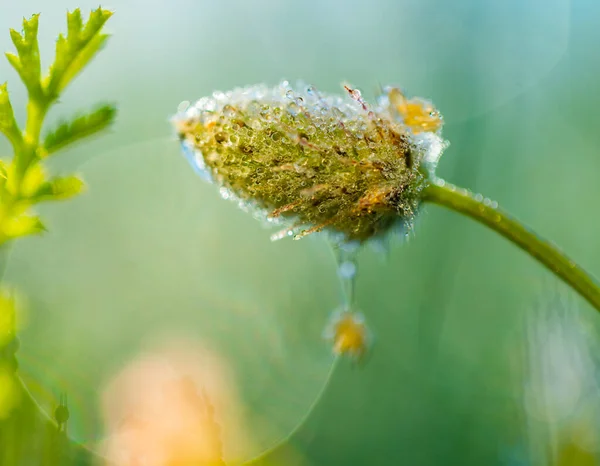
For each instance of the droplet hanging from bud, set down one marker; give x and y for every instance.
(313, 161)
(348, 334)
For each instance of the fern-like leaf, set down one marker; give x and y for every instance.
(74, 51)
(27, 60)
(8, 124)
(79, 127)
(59, 188)
(22, 225)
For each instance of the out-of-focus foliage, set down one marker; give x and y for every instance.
(25, 182)
(23, 179)
(9, 394)
(560, 392)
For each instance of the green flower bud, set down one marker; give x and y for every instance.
(314, 161)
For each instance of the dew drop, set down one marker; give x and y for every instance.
(289, 94)
(220, 137)
(192, 113)
(347, 270)
(253, 107)
(225, 193)
(361, 145)
(183, 106)
(209, 105)
(282, 234)
(229, 111)
(337, 113)
(293, 109)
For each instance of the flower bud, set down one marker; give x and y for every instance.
(314, 161)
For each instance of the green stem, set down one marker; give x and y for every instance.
(36, 113)
(487, 212)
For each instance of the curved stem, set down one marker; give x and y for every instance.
(487, 212)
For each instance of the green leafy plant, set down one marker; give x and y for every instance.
(25, 181)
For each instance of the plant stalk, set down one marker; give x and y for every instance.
(36, 113)
(486, 212)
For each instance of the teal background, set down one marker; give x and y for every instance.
(151, 250)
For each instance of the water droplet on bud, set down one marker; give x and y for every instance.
(293, 109)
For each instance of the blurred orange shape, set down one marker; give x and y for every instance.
(176, 406)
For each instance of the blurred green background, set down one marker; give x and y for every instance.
(151, 252)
